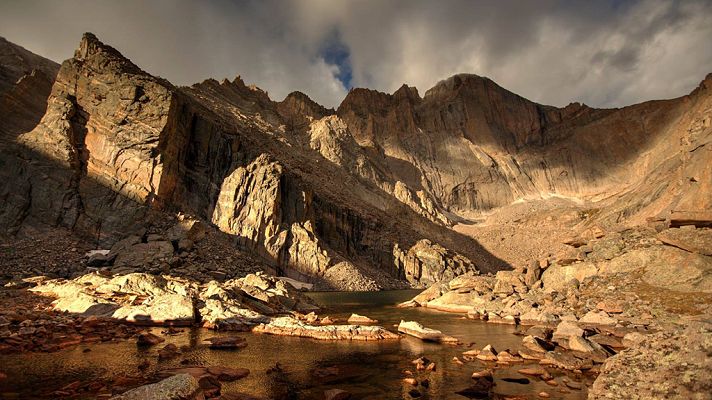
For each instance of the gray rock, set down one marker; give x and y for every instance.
(176, 387)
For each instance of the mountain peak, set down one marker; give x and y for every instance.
(88, 46)
(407, 92)
(94, 52)
(454, 83)
(299, 103)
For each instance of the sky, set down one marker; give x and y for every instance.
(605, 53)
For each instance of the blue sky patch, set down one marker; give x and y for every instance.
(335, 52)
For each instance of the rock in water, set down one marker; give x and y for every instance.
(415, 329)
(360, 319)
(149, 339)
(288, 326)
(177, 387)
(481, 389)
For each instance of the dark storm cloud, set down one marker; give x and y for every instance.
(604, 53)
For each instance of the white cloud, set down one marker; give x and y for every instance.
(602, 53)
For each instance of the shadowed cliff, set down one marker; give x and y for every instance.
(115, 142)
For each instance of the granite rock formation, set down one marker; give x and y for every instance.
(117, 145)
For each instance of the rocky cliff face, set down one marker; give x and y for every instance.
(472, 145)
(358, 198)
(116, 143)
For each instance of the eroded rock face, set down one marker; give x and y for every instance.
(472, 145)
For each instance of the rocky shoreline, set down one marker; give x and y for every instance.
(577, 315)
(608, 305)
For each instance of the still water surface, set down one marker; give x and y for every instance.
(369, 370)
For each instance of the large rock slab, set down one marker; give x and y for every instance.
(679, 270)
(288, 326)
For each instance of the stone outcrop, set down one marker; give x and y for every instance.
(426, 263)
(237, 304)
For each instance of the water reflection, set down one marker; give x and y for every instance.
(306, 367)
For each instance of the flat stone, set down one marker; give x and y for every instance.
(693, 240)
(415, 329)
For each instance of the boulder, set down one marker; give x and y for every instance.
(488, 353)
(176, 387)
(610, 307)
(148, 339)
(557, 277)
(507, 282)
(167, 309)
(692, 272)
(537, 344)
(566, 329)
(478, 283)
(480, 389)
(670, 364)
(598, 318)
(415, 329)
